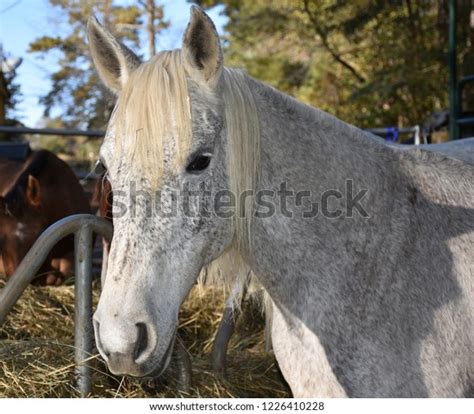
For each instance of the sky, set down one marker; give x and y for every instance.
(22, 21)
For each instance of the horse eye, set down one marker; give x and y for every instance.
(199, 163)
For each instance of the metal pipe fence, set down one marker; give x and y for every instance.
(420, 136)
(383, 132)
(51, 131)
(82, 226)
(393, 133)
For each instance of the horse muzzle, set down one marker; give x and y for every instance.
(130, 348)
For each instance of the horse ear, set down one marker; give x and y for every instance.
(33, 192)
(201, 48)
(114, 61)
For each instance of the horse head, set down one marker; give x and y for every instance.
(167, 154)
(21, 220)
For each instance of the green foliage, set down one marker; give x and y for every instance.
(369, 62)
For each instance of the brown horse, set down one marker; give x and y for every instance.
(35, 193)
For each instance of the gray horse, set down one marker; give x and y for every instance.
(365, 249)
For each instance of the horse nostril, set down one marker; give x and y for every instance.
(142, 340)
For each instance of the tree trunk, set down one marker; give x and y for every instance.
(150, 26)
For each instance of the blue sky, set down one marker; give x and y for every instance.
(22, 21)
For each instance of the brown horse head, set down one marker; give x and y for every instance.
(21, 220)
(33, 195)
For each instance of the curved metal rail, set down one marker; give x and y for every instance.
(82, 226)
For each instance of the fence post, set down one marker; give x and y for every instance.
(82, 225)
(83, 307)
(453, 77)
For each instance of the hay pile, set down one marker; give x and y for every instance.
(37, 353)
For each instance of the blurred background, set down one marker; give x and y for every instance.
(47, 78)
(372, 63)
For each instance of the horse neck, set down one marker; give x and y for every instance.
(58, 182)
(289, 127)
(311, 150)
